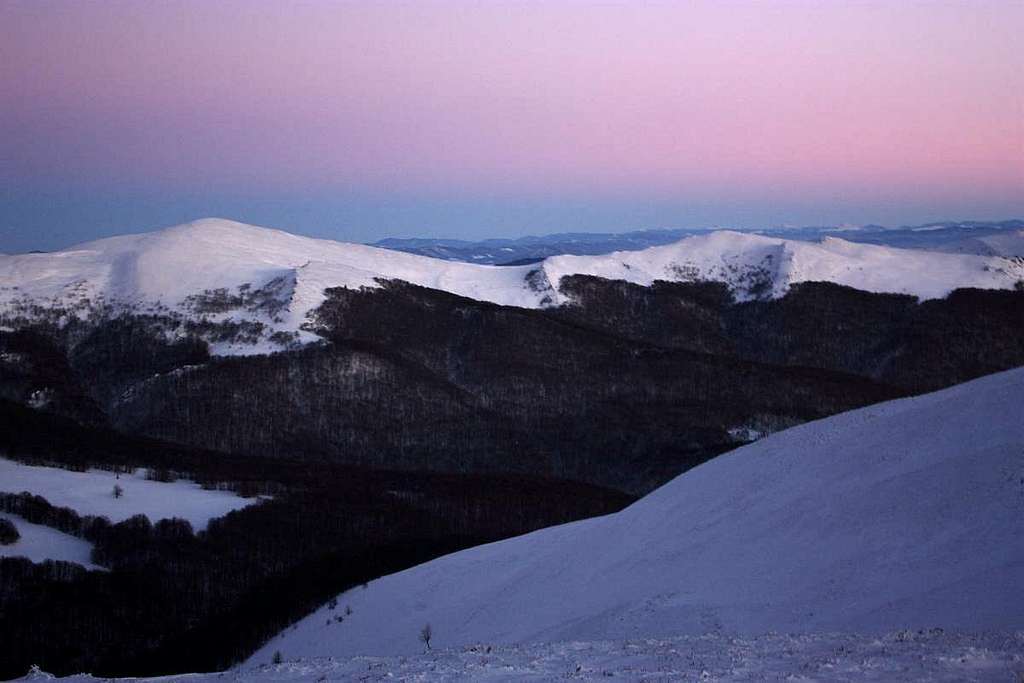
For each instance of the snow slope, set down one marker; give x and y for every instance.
(168, 266)
(1009, 243)
(91, 493)
(907, 514)
(1005, 244)
(39, 543)
(220, 270)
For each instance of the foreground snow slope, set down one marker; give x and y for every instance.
(276, 278)
(906, 514)
(901, 656)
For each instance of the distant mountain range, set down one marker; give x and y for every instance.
(988, 238)
(246, 289)
(408, 361)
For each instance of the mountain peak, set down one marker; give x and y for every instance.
(222, 228)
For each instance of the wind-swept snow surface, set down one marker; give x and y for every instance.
(903, 656)
(223, 272)
(907, 514)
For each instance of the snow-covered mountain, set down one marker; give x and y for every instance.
(906, 514)
(222, 271)
(1008, 243)
(756, 266)
(970, 237)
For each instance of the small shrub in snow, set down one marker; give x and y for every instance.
(118, 491)
(277, 658)
(426, 633)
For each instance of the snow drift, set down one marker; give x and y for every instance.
(907, 514)
(225, 271)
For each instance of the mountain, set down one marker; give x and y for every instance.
(228, 272)
(958, 236)
(440, 405)
(251, 290)
(623, 379)
(1004, 238)
(906, 514)
(755, 266)
(1006, 243)
(533, 248)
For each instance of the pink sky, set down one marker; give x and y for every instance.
(864, 100)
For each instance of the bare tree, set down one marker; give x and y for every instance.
(426, 633)
(118, 491)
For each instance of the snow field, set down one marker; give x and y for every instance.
(91, 493)
(39, 543)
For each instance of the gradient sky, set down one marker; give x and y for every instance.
(360, 120)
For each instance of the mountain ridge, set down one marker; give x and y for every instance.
(267, 280)
(956, 236)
